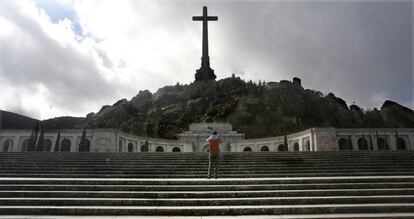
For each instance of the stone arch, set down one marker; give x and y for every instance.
(47, 145)
(86, 147)
(295, 146)
(65, 145)
(25, 145)
(7, 145)
(382, 144)
(159, 149)
(176, 149)
(120, 146)
(264, 148)
(306, 146)
(130, 147)
(362, 144)
(282, 147)
(344, 145)
(401, 144)
(247, 149)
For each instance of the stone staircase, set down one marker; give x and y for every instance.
(379, 184)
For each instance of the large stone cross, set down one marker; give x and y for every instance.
(205, 73)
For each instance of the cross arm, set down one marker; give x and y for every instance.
(197, 18)
(201, 18)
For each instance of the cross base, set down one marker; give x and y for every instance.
(205, 74)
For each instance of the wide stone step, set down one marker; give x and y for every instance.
(208, 194)
(209, 210)
(225, 171)
(70, 187)
(203, 181)
(46, 201)
(202, 175)
(198, 165)
(225, 155)
(222, 160)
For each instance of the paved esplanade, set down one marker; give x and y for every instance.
(205, 73)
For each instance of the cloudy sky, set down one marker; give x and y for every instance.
(69, 57)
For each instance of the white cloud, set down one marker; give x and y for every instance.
(70, 57)
(46, 70)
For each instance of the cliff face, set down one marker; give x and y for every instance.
(257, 110)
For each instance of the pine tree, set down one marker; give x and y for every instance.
(145, 147)
(57, 144)
(83, 144)
(33, 141)
(39, 146)
(285, 142)
(371, 146)
(396, 141)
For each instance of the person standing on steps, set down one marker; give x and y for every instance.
(214, 151)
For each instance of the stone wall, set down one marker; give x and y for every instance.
(194, 140)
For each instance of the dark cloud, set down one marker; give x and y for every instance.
(354, 49)
(359, 50)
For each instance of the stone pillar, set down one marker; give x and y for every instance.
(374, 142)
(393, 146)
(313, 141)
(410, 143)
(73, 144)
(15, 146)
(187, 147)
(76, 144)
(354, 141)
(272, 147)
(233, 147)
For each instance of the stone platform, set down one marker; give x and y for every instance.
(266, 185)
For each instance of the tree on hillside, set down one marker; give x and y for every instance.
(40, 142)
(57, 143)
(84, 144)
(33, 138)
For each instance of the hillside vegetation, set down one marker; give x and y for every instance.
(257, 110)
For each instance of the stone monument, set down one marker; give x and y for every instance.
(205, 73)
(199, 132)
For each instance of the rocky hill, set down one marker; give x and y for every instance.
(258, 110)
